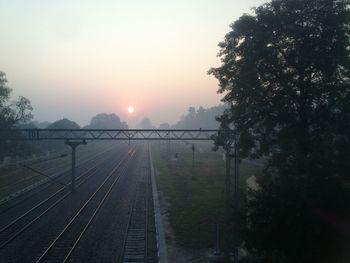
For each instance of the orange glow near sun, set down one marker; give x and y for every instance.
(130, 109)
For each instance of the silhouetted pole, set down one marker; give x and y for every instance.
(193, 149)
(228, 183)
(168, 149)
(74, 145)
(236, 201)
(231, 150)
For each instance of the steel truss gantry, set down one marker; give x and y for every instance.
(76, 137)
(107, 134)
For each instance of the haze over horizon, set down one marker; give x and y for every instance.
(74, 59)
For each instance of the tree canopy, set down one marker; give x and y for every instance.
(12, 114)
(204, 118)
(63, 124)
(146, 123)
(286, 75)
(106, 121)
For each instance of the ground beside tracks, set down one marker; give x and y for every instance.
(192, 198)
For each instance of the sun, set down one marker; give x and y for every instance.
(130, 109)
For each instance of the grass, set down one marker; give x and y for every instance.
(195, 195)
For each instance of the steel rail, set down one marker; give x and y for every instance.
(148, 183)
(37, 174)
(135, 236)
(92, 217)
(79, 212)
(128, 226)
(48, 184)
(27, 225)
(31, 176)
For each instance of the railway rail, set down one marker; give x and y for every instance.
(136, 241)
(136, 245)
(106, 220)
(64, 176)
(65, 242)
(17, 226)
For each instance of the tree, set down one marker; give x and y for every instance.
(12, 115)
(201, 118)
(16, 113)
(106, 121)
(286, 75)
(146, 124)
(54, 146)
(64, 124)
(164, 126)
(41, 124)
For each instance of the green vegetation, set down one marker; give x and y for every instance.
(106, 121)
(195, 196)
(286, 75)
(13, 114)
(204, 118)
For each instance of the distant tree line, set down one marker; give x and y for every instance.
(18, 114)
(200, 118)
(106, 121)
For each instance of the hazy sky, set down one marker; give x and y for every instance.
(76, 58)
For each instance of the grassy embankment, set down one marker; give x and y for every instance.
(196, 196)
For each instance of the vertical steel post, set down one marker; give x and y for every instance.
(193, 149)
(232, 206)
(217, 239)
(228, 183)
(73, 167)
(236, 200)
(168, 149)
(74, 145)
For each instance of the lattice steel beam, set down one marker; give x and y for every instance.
(106, 134)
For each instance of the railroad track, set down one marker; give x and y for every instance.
(135, 246)
(15, 228)
(63, 244)
(64, 176)
(101, 222)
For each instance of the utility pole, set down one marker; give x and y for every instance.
(228, 182)
(193, 149)
(168, 149)
(232, 208)
(74, 145)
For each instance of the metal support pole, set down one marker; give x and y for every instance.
(232, 206)
(193, 149)
(236, 201)
(236, 177)
(228, 184)
(217, 239)
(168, 149)
(74, 145)
(73, 167)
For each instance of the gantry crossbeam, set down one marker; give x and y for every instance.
(106, 134)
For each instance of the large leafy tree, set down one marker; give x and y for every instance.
(12, 114)
(106, 121)
(54, 146)
(15, 113)
(286, 75)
